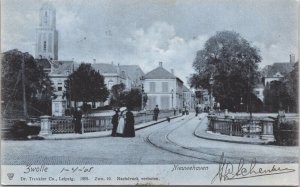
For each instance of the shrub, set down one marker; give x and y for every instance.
(286, 133)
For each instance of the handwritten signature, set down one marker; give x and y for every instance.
(227, 171)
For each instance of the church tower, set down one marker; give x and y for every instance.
(46, 34)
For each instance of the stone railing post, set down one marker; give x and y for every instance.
(267, 130)
(45, 126)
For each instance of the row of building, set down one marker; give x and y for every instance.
(161, 86)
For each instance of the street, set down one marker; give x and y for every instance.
(164, 143)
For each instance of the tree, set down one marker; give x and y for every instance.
(86, 85)
(283, 94)
(133, 99)
(38, 87)
(291, 82)
(116, 93)
(275, 96)
(233, 64)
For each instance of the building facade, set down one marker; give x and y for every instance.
(188, 99)
(163, 89)
(60, 70)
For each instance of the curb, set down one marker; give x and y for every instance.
(223, 140)
(104, 135)
(139, 128)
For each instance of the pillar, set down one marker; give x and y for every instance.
(267, 130)
(45, 126)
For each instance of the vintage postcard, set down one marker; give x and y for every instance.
(153, 92)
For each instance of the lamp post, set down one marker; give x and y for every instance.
(211, 82)
(142, 92)
(142, 103)
(241, 104)
(172, 92)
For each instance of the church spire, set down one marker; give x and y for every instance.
(47, 36)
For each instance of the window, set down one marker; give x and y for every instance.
(56, 107)
(151, 102)
(59, 88)
(164, 100)
(165, 87)
(257, 92)
(45, 46)
(152, 86)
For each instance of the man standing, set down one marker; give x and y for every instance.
(77, 117)
(197, 110)
(156, 112)
(115, 122)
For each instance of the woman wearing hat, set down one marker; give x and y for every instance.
(129, 124)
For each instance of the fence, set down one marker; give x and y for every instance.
(62, 125)
(254, 128)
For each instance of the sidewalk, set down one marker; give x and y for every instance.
(100, 134)
(201, 132)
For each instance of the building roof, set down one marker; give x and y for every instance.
(133, 72)
(282, 67)
(159, 73)
(45, 63)
(185, 89)
(105, 68)
(61, 67)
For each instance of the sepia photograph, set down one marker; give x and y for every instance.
(153, 92)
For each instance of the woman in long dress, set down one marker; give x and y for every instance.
(129, 125)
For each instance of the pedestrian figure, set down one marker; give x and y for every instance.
(174, 111)
(197, 110)
(156, 112)
(129, 124)
(115, 122)
(121, 125)
(77, 120)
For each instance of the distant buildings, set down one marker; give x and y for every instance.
(274, 72)
(162, 87)
(278, 70)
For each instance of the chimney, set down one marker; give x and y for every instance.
(94, 60)
(292, 58)
(160, 64)
(172, 71)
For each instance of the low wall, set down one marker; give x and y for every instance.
(62, 125)
(244, 127)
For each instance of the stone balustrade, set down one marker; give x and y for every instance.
(255, 128)
(58, 125)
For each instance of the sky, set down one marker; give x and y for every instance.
(149, 31)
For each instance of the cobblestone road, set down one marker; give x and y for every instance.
(172, 140)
